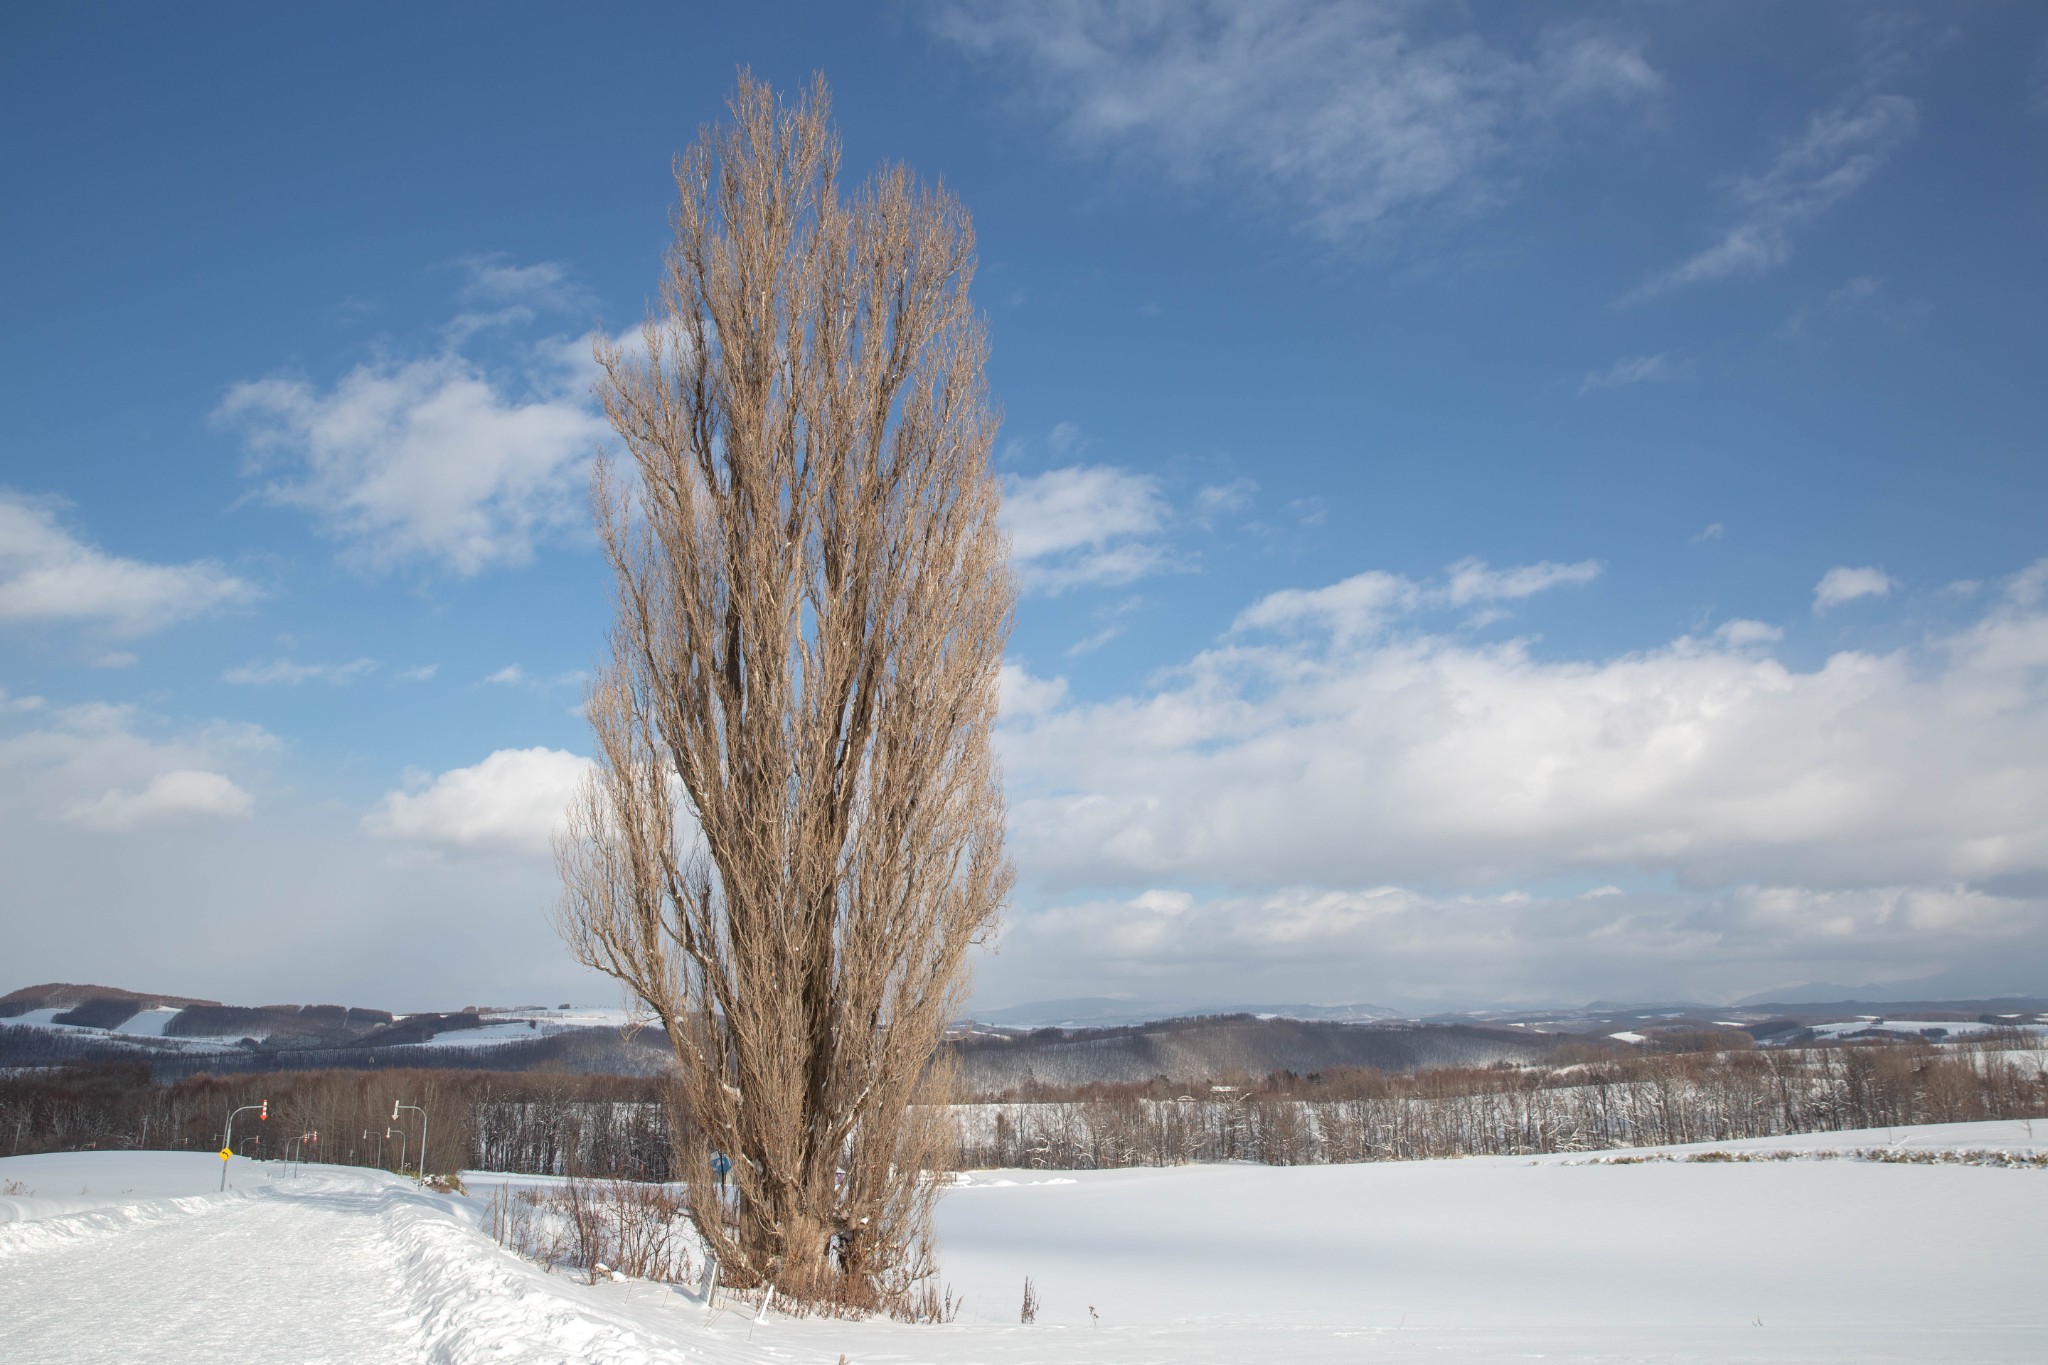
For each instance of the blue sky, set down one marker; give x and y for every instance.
(1515, 503)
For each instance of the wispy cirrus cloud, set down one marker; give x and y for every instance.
(1833, 157)
(49, 574)
(291, 673)
(1364, 604)
(1625, 372)
(1336, 116)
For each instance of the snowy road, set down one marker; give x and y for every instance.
(322, 1265)
(206, 1284)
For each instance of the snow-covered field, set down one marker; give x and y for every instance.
(133, 1256)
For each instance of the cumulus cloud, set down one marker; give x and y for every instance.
(512, 801)
(1836, 154)
(1842, 584)
(110, 768)
(1338, 115)
(1397, 945)
(1345, 757)
(49, 574)
(1084, 525)
(169, 798)
(289, 673)
(431, 459)
(1025, 695)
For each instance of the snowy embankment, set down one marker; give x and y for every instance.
(1482, 1259)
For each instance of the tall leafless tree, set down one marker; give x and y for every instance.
(795, 829)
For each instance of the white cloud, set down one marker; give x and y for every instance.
(1853, 294)
(48, 574)
(512, 675)
(286, 673)
(1365, 603)
(1843, 584)
(116, 658)
(100, 767)
(1396, 944)
(1472, 581)
(1739, 633)
(1837, 153)
(1350, 758)
(1025, 695)
(1341, 114)
(1215, 499)
(1711, 531)
(1359, 605)
(430, 459)
(1634, 369)
(170, 798)
(513, 800)
(496, 278)
(420, 672)
(1083, 524)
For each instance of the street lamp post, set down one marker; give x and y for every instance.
(420, 1167)
(262, 1108)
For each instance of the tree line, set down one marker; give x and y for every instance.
(541, 1122)
(1643, 1100)
(558, 1123)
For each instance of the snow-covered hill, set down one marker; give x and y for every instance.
(133, 1256)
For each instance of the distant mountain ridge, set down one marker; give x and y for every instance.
(1216, 1047)
(1110, 1011)
(65, 995)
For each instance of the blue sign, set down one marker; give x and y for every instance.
(720, 1164)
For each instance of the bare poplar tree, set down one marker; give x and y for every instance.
(795, 829)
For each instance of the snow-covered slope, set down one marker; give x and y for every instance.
(1563, 1258)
